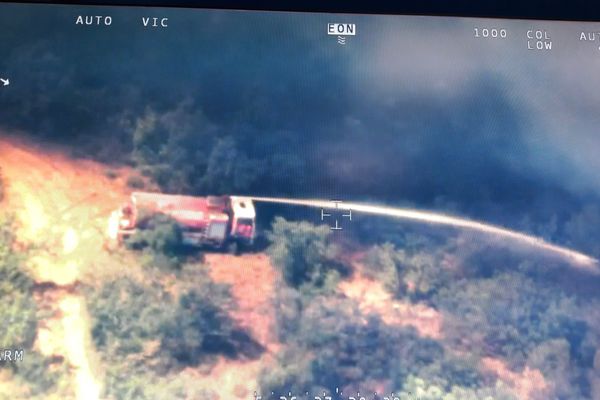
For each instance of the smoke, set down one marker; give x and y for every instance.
(440, 119)
(573, 256)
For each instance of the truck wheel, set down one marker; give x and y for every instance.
(233, 248)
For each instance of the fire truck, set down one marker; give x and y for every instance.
(214, 221)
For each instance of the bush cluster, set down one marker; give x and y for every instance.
(494, 306)
(146, 332)
(329, 343)
(160, 238)
(499, 310)
(304, 254)
(416, 275)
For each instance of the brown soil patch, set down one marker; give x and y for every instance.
(373, 298)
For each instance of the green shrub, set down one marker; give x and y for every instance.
(424, 275)
(149, 330)
(292, 372)
(161, 238)
(181, 151)
(135, 182)
(288, 304)
(382, 263)
(19, 314)
(198, 327)
(126, 315)
(418, 274)
(303, 253)
(356, 353)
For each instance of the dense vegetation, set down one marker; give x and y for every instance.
(160, 240)
(150, 329)
(304, 256)
(504, 314)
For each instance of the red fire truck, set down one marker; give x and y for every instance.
(214, 220)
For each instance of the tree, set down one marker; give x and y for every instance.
(184, 153)
(172, 146)
(423, 275)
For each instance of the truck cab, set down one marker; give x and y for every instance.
(243, 219)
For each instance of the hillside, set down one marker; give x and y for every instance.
(268, 326)
(62, 206)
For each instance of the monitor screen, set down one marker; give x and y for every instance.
(228, 204)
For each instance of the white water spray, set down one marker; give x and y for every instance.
(440, 219)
